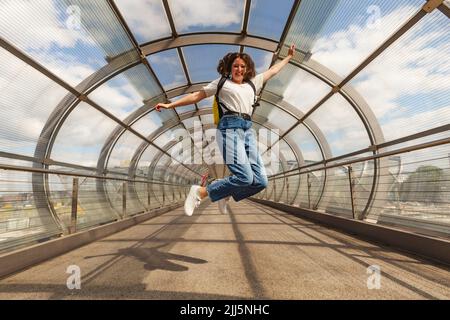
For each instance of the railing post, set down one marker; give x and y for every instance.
(124, 199)
(308, 183)
(148, 196)
(73, 217)
(287, 190)
(275, 190)
(163, 195)
(351, 182)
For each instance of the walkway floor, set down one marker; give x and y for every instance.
(255, 252)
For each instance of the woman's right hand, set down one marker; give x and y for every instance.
(162, 105)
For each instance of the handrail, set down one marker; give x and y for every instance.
(282, 175)
(74, 174)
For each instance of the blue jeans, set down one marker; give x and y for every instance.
(238, 145)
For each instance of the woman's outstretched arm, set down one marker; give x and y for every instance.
(187, 100)
(277, 67)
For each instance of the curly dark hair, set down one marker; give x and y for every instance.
(224, 66)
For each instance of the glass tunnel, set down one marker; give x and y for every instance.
(356, 126)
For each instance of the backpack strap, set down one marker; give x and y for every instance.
(222, 81)
(255, 102)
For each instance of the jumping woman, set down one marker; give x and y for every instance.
(239, 84)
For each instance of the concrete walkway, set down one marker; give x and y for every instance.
(255, 252)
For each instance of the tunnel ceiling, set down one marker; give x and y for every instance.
(79, 80)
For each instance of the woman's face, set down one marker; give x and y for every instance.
(238, 69)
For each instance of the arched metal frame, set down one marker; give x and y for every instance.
(130, 59)
(155, 161)
(143, 146)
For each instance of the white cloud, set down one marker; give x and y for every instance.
(34, 25)
(205, 13)
(344, 49)
(416, 64)
(341, 126)
(302, 90)
(404, 126)
(147, 18)
(27, 100)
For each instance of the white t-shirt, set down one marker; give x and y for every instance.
(237, 97)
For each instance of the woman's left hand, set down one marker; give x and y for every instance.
(291, 50)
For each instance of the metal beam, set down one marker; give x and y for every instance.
(169, 15)
(209, 38)
(244, 29)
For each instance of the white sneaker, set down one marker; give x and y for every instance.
(223, 205)
(192, 201)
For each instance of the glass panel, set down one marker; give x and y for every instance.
(283, 152)
(306, 143)
(61, 34)
(290, 193)
(133, 204)
(411, 93)
(298, 87)
(202, 60)
(363, 178)
(426, 139)
(183, 109)
(276, 117)
(206, 103)
(167, 67)
(303, 198)
(270, 158)
(292, 189)
(123, 151)
(94, 208)
(114, 194)
(316, 184)
(206, 15)
(413, 191)
(159, 174)
(176, 154)
(126, 92)
(192, 121)
(288, 155)
(341, 126)
(26, 101)
(336, 198)
(270, 190)
(170, 136)
(145, 161)
(268, 18)
(279, 188)
(24, 216)
(76, 143)
(146, 19)
(140, 191)
(341, 34)
(207, 119)
(153, 121)
(261, 58)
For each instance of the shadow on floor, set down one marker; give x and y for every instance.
(155, 259)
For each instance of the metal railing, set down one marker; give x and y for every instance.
(72, 202)
(407, 188)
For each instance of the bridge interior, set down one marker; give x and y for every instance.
(255, 252)
(354, 133)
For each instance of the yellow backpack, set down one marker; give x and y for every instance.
(217, 110)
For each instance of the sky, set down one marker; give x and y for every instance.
(409, 95)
